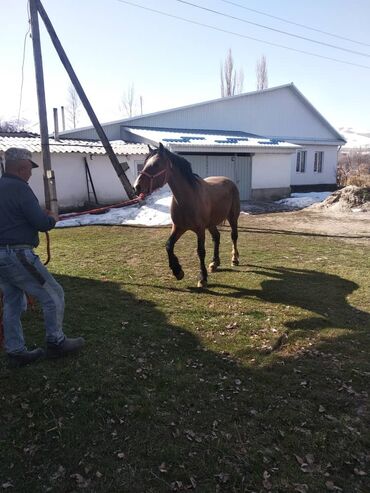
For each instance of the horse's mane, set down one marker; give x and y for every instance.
(184, 167)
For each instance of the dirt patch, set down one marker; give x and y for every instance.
(345, 214)
(346, 225)
(348, 199)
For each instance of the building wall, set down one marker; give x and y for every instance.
(271, 113)
(309, 177)
(71, 182)
(270, 176)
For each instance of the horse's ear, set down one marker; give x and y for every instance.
(151, 149)
(161, 148)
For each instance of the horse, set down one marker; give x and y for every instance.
(197, 204)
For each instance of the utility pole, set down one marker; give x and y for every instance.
(51, 202)
(119, 167)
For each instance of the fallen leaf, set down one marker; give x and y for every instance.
(358, 472)
(332, 487)
(299, 459)
(301, 488)
(163, 467)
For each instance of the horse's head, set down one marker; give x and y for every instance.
(155, 172)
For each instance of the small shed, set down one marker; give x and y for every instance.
(79, 165)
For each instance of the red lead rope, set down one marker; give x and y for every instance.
(136, 200)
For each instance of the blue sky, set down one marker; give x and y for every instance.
(173, 63)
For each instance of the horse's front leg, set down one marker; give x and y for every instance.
(173, 261)
(202, 281)
(216, 249)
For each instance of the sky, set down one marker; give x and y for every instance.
(170, 63)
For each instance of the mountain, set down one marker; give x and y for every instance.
(355, 139)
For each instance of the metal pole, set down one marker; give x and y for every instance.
(63, 118)
(51, 202)
(56, 124)
(119, 167)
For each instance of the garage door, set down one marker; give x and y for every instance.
(237, 168)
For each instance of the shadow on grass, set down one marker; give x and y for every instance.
(146, 408)
(315, 291)
(249, 229)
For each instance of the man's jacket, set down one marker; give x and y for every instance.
(21, 217)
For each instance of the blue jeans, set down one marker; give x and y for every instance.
(22, 272)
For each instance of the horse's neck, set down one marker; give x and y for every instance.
(180, 187)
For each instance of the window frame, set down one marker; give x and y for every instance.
(300, 166)
(318, 162)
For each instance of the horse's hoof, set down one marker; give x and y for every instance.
(234, 262)
(213, 266)
(202, 284)
(180, 275)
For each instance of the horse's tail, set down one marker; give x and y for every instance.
(235, 204)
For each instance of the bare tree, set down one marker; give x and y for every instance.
(73, 108)
(261, 73)
(231, 80)
(128, 101)
(12, 125)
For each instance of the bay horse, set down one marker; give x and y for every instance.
(197, 204)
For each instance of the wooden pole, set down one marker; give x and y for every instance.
(119, 167)
(51, 202)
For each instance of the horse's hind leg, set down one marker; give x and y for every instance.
(216, 249)
(234, 237)
(202, 281)
(172, 259)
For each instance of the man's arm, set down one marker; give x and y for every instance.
(31, 209)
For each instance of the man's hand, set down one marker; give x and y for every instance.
(52, 214)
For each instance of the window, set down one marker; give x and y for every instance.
(317, 165)
(301, 162)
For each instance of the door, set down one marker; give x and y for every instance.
(237, 168)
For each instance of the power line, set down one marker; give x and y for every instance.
(296, 23)
(242, 35)
(22, 70)
(322, 43)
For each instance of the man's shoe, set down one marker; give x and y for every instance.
(23, 358)
(67, 346)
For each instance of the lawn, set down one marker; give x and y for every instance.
(259, 383)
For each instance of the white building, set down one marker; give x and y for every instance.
(266, 141)
(80, 167)
(279, 113)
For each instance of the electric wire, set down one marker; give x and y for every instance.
(22, 69)
(296, 23)
(286, 33)
(242, 35)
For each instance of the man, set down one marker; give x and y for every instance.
(21, 218)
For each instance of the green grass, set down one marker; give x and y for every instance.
(179, 389)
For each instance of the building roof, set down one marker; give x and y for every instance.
(65, 146)
(197, 140)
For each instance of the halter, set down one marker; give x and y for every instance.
(151, 178)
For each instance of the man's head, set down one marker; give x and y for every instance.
(18, 162)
